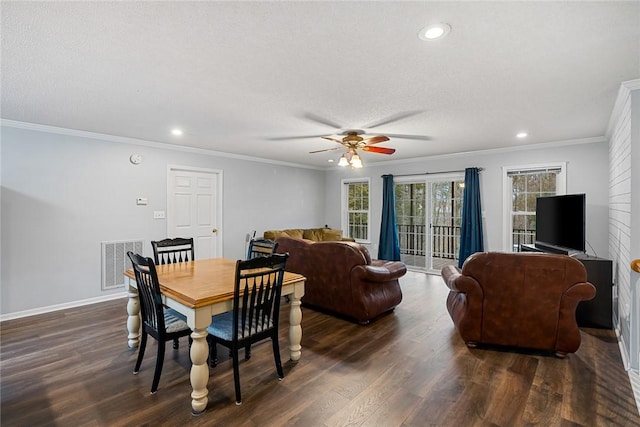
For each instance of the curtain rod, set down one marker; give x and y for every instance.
(431, 173)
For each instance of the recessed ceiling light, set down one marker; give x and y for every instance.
(434, 31)
(522, 135)
(176, 132)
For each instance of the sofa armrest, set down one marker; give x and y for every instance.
(382, 271)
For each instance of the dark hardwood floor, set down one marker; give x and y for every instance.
(409, 368)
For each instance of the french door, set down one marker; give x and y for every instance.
(428, 213)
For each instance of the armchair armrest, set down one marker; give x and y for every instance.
(568, 336)
(381, 271)
(583, 291)
(449, 274)
(457, 282)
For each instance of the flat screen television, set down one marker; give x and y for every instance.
(560, 222)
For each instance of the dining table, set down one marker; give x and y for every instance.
(199, 290)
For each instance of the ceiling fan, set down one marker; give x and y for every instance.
(353, 142)
(355, 139)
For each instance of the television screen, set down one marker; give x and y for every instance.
(560, 221)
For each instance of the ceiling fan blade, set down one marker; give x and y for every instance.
(284, 138)
(381, 150)
(332, 139)
(376, 139)
(392, 118)
(404, 136)
(318, 119)
(328, 149)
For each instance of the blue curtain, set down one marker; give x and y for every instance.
(471, 238)
(389, 248)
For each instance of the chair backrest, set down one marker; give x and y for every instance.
(151, 307)
(261, 248)
(256, 302)
(169, 251)
(525, 296)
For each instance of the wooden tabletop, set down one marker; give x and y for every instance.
(202, 282)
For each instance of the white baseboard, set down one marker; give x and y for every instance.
(634, 376)
(50, 308)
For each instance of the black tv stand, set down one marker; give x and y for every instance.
(598, 312)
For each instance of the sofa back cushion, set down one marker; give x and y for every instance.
(322, 234)
(291, 232)
(314, 234)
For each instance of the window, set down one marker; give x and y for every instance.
(523, 186)
(355, 209)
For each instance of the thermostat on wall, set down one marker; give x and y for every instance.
(136, 159)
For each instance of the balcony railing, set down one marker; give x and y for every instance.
(523, 237)
(412, 238)
(445, 240)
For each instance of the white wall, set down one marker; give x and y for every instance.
(63, 194)
(587, 172)
(624, 228)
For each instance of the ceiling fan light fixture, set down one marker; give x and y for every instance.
(343, 161)
(356, 162)
(434, 31)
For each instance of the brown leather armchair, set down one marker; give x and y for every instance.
(342, 278)
(525, 300)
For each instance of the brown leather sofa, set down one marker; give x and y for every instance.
(342, 278)
(525, 300)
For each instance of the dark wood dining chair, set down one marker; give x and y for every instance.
(170, 251)
(261, 248)
(255, 315)
(163, 324)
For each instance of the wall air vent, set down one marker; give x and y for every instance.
(115, 261)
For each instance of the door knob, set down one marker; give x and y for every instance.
(215, 230)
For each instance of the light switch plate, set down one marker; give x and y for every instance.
(158, 214)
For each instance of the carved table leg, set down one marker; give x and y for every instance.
(199, 371)
(133, 321)
(295, 328)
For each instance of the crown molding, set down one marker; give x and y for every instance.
(528, 147)
(634, 84)
(624, 92)
(145, 143)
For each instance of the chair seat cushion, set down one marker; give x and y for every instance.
(174, 321)
(222, 327)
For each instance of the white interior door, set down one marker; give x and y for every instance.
(193, 208)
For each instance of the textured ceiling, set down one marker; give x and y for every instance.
(242, 77)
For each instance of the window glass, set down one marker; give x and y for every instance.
(357, 210)
(526, 187)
